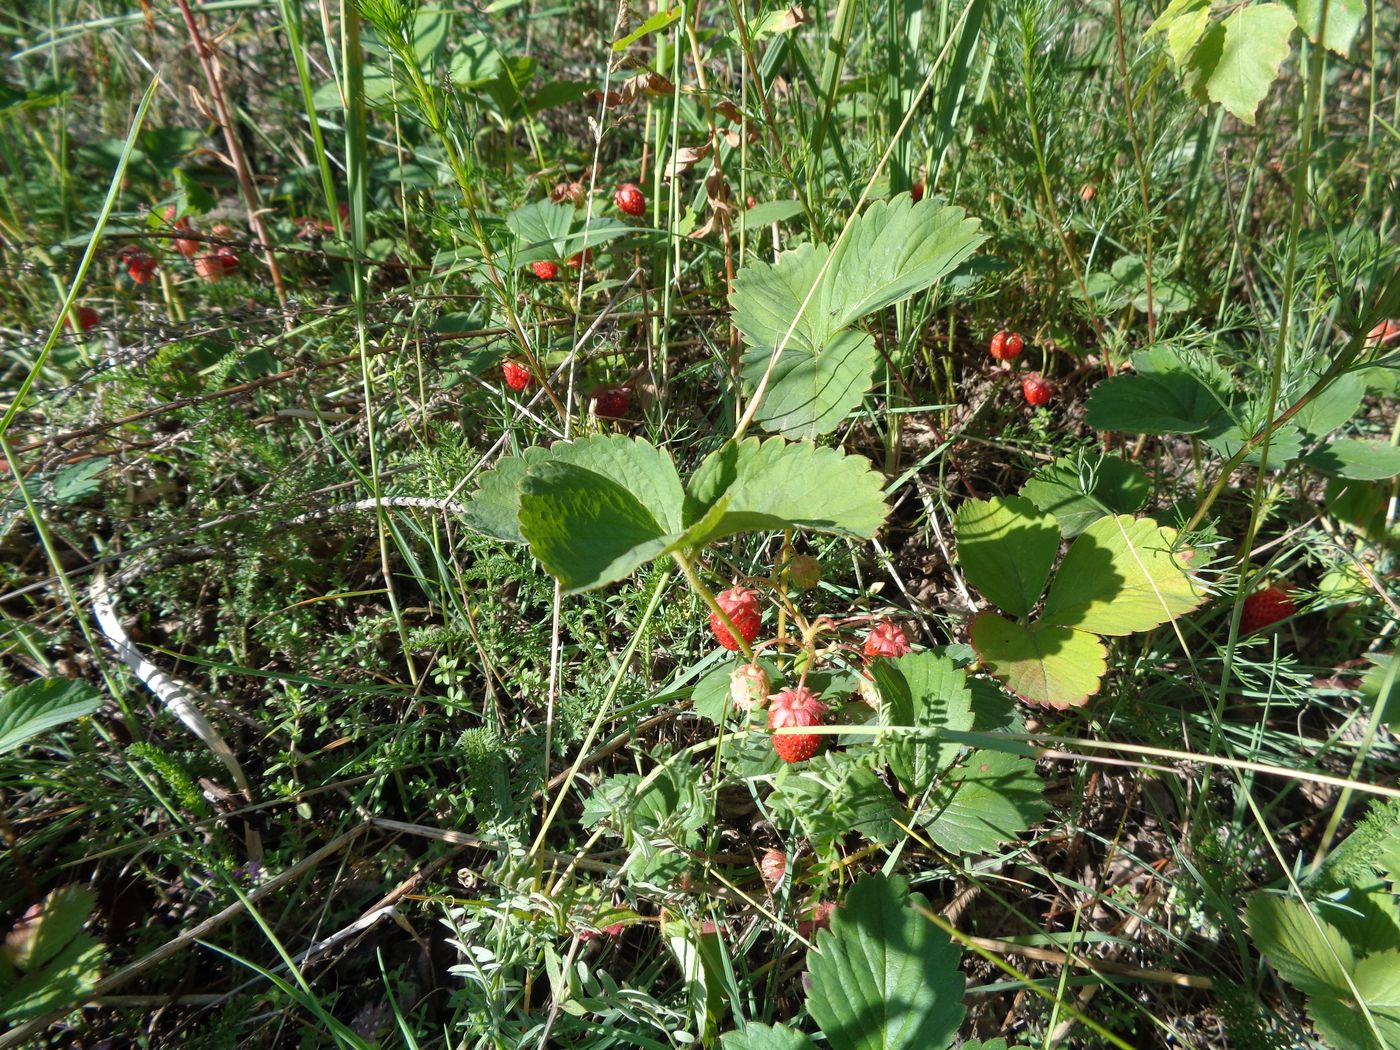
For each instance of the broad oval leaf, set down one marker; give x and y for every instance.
(1236, 61)
(884, 977)
(1171, 402)
(1054, 666)
(1122, 575)
(1356, 459)
(766, 1037)
(1006, 548)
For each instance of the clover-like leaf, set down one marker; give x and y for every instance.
(1006, 548)
(777, 484)
(43, 704)
(988, 801)
(1120, 576)
(1080, 492)
(1054, 666)
(884, 977)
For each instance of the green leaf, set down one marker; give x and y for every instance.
(811, 392)
(1344, 18)
(1079, 492)
(1237, 61)
(767, 296)
(541, 230)
(766, 1037)
(63, 982)
(1377, 979)
(1341, 1025)
(1336, 404)
(1285, 443)
(927, 691)
(767, 212)
(895, 249)
(494, 509)
(1308, 953)
(1356, 459)
(1168, 402)
(597, 509)
(833, 797)
(1006, 548)
(1121, 576)
(775, 484)
(654, 24)
(36, 941)
(42, 704)
(1055, 666)
(1126, 284)
(989, 801)
(884, 977)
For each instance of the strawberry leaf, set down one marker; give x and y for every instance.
(1055, 666)
(989, 801)
(1307, 952)
(810, 393)
(1006, 548)
(43, 704)
(597, 509)
(929, 692)
(774, 484)
(1080, 492)
(884, 977)
(1121, 575)
(541, 230)
(494, 509)
(766, 1037)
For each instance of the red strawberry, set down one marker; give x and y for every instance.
(629, 198)
(183, 245)
(741, 605)
(748, 686)
(517, 375)
(1036, 389)
(612, 402)
(545, 270)
(916, 191)
(886, 638)
(581, 259)
(215, 265)
(84, 317)
(1385, 332)
(818, 918)
(139, 264)
(772, 867)
(1006, 346)
(796, 706)
(1265, 607)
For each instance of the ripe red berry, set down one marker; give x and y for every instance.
(1006, 346)
(581, 259)
(612, 402)
(139, 264)
(773, 866)
(215, 265)
(886, 638)
(84, 317)
(545, 270)
(1385, 332)
(1265, 607)
(741, 606)
(796, 706)
(818, 918)
(1036, 389)
(916, 191)
(517, 375)
(183, 245)
(630, 199)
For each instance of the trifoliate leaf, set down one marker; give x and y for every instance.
(1055, 666)
(1079, 492)
(541, 230)
(884, 977)
(1122, 575)
(1006, 548)
(988, 801)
